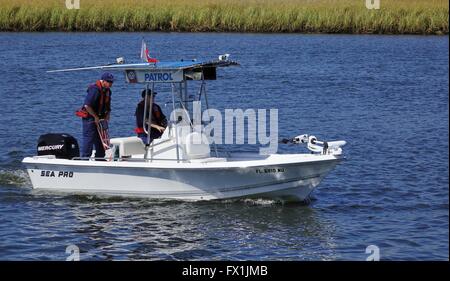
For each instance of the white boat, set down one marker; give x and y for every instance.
(178, 165)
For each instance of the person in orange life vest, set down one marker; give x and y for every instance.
(159, 120)
(98, 106)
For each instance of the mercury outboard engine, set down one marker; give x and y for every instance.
(63, 146)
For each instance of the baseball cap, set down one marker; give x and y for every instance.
(107, 77)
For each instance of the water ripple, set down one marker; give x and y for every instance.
(390, 104)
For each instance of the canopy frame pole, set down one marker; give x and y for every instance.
(149, 122)
(151, 115)
(186, 102)
(145, 111)
(207, 108)
(176, 125)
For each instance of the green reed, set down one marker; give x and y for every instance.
(306, 16)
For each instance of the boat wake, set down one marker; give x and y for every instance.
(260, 202)
(17, 178)
(251, 201)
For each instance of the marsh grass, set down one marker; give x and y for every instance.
(306, 16)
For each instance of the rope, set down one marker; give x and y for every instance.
(102, 129)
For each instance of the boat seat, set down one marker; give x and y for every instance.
(128, 146)
(197, 146)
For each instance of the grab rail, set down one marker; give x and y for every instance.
(127, 159)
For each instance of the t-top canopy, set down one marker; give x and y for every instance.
(163, 72)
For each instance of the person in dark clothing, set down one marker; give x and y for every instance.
(158, 120)
(97, 106)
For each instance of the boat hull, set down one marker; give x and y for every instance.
(280, 181)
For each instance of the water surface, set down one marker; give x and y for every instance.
(387, 96)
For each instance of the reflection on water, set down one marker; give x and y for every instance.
(117, 228)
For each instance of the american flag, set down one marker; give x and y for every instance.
(145, 56)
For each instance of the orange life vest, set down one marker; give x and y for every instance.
(105, 100)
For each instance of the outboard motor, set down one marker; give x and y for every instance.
(63, 146)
